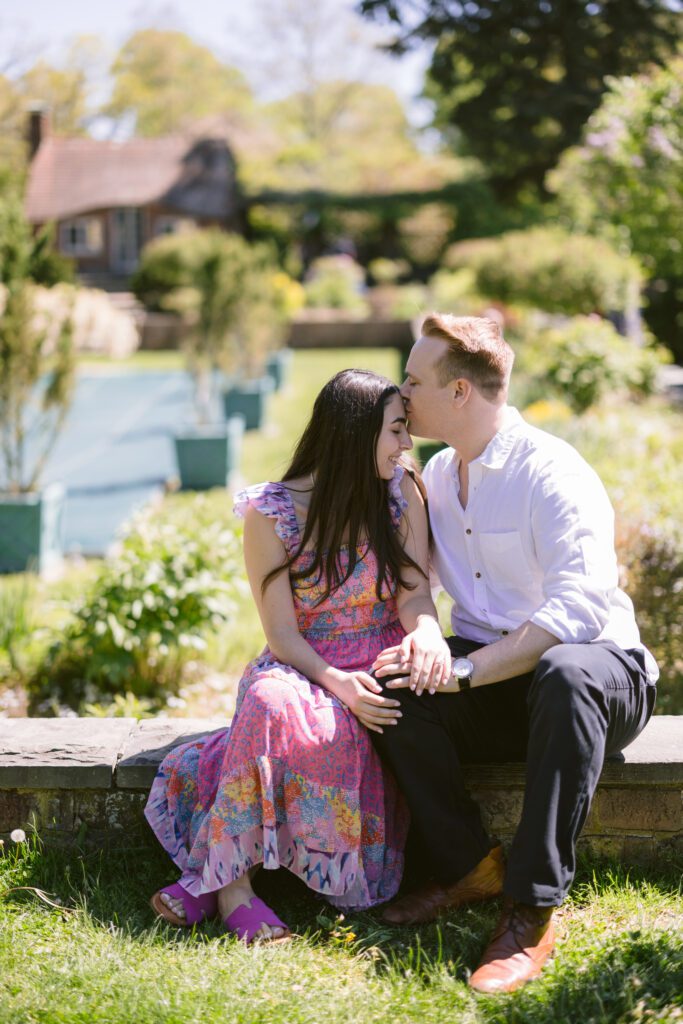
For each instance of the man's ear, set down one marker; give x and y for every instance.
(461, 388)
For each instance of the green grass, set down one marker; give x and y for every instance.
(103, 958)
(143, 361)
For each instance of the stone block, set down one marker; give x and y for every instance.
(654, 756)
(501, 808)
(622, 809)
(63, 816)
(61, 753)
(148, 744)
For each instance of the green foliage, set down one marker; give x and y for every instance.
(231, 294)
(386, 271)
(552, 270)
(336, 282)
(582, 361)
(587, 360)
(625, 181)
(517, 80)
(455, 291)
(167, 80)
(16, 619)
(48, 266)
(653, 566)
(147, 612)
(36, 385)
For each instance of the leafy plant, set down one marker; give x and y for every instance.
(588, 360)
(336, 282)
(550, 269)
(231, 295)
(147, 612)
(624, 182)
(36, 380)
(16, 618)
(652, 562)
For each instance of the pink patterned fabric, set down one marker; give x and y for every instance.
(295, 781)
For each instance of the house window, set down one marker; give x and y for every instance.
(81, 236)
(167, 224)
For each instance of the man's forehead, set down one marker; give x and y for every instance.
(424, 354)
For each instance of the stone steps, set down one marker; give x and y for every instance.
(75, 777)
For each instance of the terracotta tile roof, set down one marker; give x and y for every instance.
(72, 176)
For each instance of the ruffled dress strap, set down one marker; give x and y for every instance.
(274, 501)
(397, 502)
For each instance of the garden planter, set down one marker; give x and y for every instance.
(207, 457)
(32, 530)
(278, 366)
(249, 398)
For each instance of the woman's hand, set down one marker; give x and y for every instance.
(363, 696)
(423, 659)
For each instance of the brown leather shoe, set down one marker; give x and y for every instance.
(484, 882)
(521, 944)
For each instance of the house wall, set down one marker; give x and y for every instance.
(156, 218)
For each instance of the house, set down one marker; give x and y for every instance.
(109, 198)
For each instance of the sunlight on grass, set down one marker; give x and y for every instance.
(102, 957)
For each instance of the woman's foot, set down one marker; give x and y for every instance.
(239, 894)
(175, 904)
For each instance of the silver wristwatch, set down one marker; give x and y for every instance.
(461, 671)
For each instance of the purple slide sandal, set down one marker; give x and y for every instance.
(197, 908)
(245, 921)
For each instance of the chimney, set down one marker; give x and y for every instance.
(38, 129)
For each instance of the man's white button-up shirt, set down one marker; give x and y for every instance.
(535, 542)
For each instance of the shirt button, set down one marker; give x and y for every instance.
(478, 575)
(468, 532)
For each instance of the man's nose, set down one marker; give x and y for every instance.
(404, 389)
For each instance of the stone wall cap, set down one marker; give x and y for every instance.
(147, 746)
(61, 753)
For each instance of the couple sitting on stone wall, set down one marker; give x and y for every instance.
(353, 724)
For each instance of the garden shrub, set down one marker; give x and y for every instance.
(550, 269)
(588, 360)
(336, 282)
(581, 360)
(165, 265)
(652, 564)
(147, 612)
(455, 292)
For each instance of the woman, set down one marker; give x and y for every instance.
(336, 555)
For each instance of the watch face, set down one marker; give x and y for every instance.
(462, 668)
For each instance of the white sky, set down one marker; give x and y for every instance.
(31, 29)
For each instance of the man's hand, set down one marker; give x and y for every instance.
(422, 658)
(363, 696)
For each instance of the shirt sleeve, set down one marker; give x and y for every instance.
(573, 532)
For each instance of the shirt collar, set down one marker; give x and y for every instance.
(496, 452)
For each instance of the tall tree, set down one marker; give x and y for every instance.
(345, 136)
(518, 79)
(168, 80)
(63, 91)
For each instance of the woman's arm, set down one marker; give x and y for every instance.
(264, 551)
(423, 645)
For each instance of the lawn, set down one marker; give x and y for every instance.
(99, 956)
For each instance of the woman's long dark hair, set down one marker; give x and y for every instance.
(349, 497)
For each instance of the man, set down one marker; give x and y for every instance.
(548, 666)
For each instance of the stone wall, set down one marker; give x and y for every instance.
(88, 779)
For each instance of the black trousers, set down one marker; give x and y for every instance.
(583, 702)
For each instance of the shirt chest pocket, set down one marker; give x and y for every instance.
(504, 560)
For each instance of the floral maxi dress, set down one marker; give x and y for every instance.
(294, 781)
